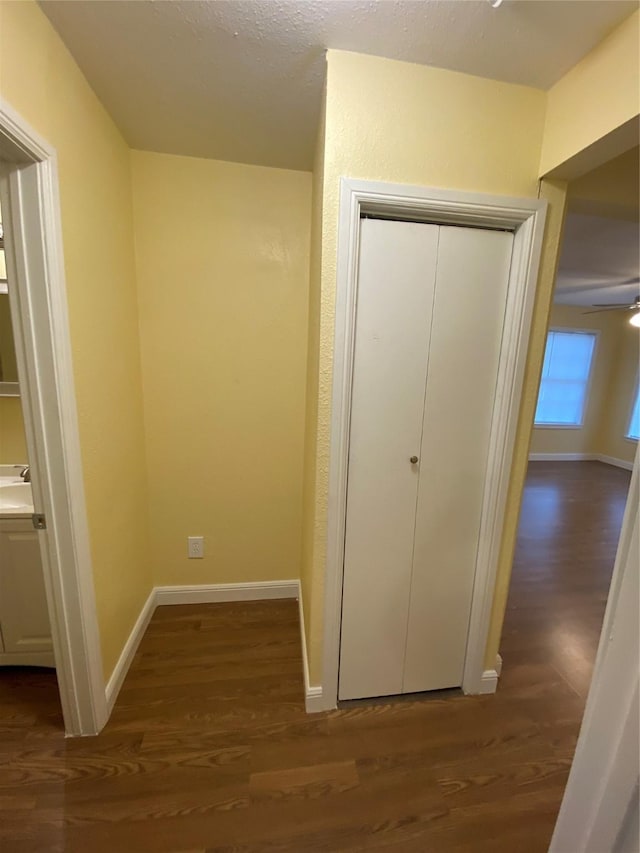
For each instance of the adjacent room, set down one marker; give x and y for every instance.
(296, 353)
(584, 441)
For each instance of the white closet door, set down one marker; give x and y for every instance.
(395, 298)
(471, 289)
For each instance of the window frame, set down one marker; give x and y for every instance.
(634, 397)
(595, 333)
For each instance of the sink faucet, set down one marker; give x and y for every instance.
(26, 474)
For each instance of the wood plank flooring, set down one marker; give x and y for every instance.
(209, 747)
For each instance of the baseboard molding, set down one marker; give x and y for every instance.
(561, 457)
(312, 693)
(612, 460)
(581, 457)
(130, 648)
(489, 681)
(218, 592)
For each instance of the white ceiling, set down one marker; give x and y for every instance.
(241, 80)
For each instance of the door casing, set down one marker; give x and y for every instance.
(525, 217)
(33, 245)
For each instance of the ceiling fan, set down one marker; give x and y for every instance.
(617, 306)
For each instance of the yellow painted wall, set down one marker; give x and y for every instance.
(41, 81)
(582, 440)
(394, 121)
(621, 388)
(599, 94)
(611, 190)
(223, 263)
(8, 366)
(313, 530)
(13, 447)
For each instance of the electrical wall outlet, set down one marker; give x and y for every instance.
(196, 547)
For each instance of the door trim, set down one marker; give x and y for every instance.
(33, 244)
(525, 218)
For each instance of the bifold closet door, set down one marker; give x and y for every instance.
(429, 322)
(393, 319)
(468, 317)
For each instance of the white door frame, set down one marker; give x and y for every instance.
(525, 218)
(604, 772)
(33, 245)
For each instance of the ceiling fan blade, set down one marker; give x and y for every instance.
(614, 305)
(599, 284)
(609, 308)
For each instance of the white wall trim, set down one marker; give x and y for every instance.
(525, 217)
(33, 247)
(216, 592)
(490, 677)
(581, 457)
(489, 681)
(128, 652)
(612, 460)
(312, 693)
(562, 457)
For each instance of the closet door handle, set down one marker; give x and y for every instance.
(413, 459)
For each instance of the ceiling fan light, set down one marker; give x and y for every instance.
(635, 319)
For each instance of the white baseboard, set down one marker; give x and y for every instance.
(216, 592)
(489, 681)
(612, 460)
(130, 648)
(313, 700)
(561, 457)
(581, 457)
(312, 693)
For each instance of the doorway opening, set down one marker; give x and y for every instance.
(28, 685)
(582, 452)
(35, 273)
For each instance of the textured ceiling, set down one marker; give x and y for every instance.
(241, 80)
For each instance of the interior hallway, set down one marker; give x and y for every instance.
(209, 747)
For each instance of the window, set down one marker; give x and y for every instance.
(634, 420)
(565, 378)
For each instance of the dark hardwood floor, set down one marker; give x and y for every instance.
(209, 747)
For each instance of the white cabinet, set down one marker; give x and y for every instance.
(25, 633)
(430, 310)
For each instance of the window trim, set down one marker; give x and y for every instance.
(635, 385)
(595, 333)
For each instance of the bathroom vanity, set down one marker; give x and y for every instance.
(25, 633)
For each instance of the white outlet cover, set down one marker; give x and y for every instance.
(195, 547)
